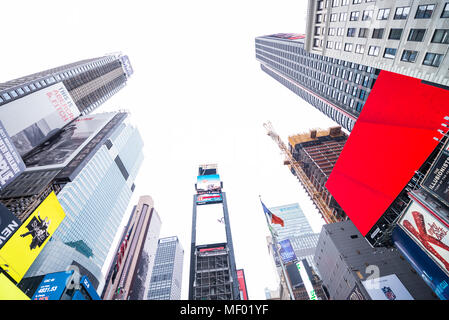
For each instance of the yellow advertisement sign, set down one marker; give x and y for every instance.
(9, 291)
(17, 255)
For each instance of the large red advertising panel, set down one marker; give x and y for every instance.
(391, 139)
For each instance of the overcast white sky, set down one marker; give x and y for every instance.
(197, 95)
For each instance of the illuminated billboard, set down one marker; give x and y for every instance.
(11, 164)
(387, 288)
(428, 231)
(286, 251)
(301, 265)
(437, 179)
(210, 225)
(52, 286)
(392, 138)
(9, 291)
(207, 198)
(28, 241)
(62, 147)
(34, 118)
(242, 284)
(8, 224)
(208, 183)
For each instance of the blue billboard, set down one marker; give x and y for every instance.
(52, 286)
(208, 183)
(89, 288)
(431, 273)
(286, 251)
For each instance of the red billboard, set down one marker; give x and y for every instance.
(393, 136)
(242, 284)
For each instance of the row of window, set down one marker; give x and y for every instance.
(401, 13)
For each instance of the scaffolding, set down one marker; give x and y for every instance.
(316, 196)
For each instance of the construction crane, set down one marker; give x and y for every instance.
(315, 195)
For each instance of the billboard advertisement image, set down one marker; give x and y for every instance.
(208, 183)
(52, 286)
(286, 251)
(11, 164)
(307, 283)
(207, 198)
(28, 241)
(210, 225)
(428, 231)
(9, 291)
(62, 147)
(387, 288)
(8, 224)
(437, 180)
(34, 118)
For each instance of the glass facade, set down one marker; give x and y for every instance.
(166, 277)
(94, 203)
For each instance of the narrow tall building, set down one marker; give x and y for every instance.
(166, 276)
(93, 185)
(130, 272)
(213, 273)
(335, 87)
(406, 37)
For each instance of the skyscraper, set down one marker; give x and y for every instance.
(130, 271)
(166, 276)
(317, 152)
(408, 37)
(94, 189)
(336, 87)
(213, 274)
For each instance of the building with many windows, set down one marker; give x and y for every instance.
(336, 87)
(166, 277)
(407, 37)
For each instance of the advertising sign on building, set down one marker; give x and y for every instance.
(64, 146)
(208, 183)
(428, 231)
(8, 224)
(210, 225)
(11, 164)
(286, 251)
(242, 284)
(304, 275)
(28, 241)
(52, 286)
(34, 118)
(437, 179)
(9, 291)
(207, 198)
(126, 65)
(89, 288)
(387, 288)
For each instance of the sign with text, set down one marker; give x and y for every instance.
(437, 179)
(11, 164)
(52, 286)
(387, 288)
(8, 224)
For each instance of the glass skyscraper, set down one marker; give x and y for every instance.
(95, 203)
(297, 229)
(166, 278)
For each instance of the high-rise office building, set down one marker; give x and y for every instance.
(336, 87)
(213, 273)
(316, 152)
(93, 185)
(166, 277)
(351, 269)
(130, 271)
(406, 37)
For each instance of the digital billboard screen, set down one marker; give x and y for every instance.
(28, 241)
(210, 225)
(207, 198)
(208, 183)
(286, 251)
(52, 286)
(62, 147)
(392, 138)
(35, 117)
(437, 179)
(11, 164)
(387, 288)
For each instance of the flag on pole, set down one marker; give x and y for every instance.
(273, 218)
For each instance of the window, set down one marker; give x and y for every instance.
(378, 33)
(425, 11)
(335, 3)
(373, 51)
(334, 17)
(317, 31)
(363, 32)
(348, 47)
(416, 35)
(329, 44)
(367, 15)
(319, 18)
(432, 59)
(409, 56)
(344, 2)
(316, 42)
(401, 13)
(390, 53)
(340, 31)
(356, 1)
(351, 32)
(441, 36)
(383, 14)
(354, 16)
(320, 5)
(331, 31)
(354, 236)
(395, 34)
(445, 13)
(337, 45)
(359, 48)
(343, 16)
